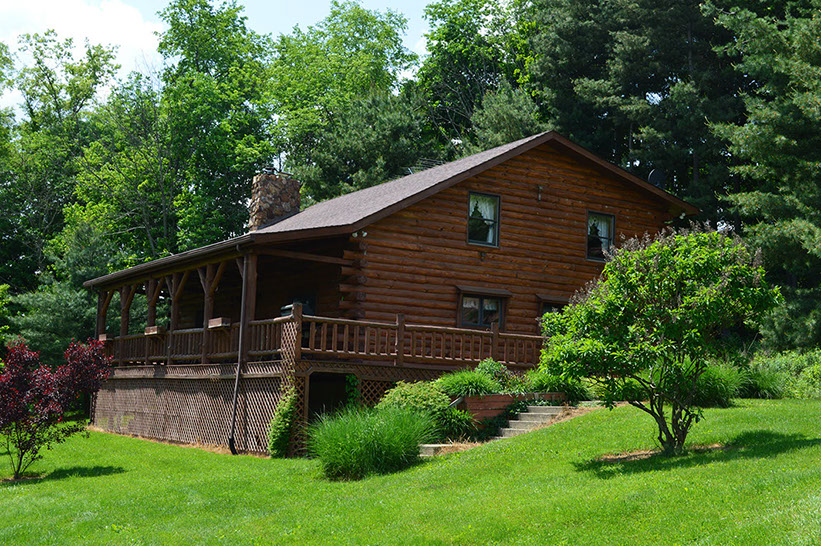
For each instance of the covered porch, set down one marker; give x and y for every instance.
(222, 340)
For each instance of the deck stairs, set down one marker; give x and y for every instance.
(533, 418)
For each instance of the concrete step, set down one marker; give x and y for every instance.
(522, 425)
(534, 417)
(545, 410)
(511, 432)
(431, 450)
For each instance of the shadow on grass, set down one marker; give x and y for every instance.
(756, 444)
(72, 472)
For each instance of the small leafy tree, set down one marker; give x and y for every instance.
(34, 398)
(645, 329)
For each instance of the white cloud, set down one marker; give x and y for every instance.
(107, 22)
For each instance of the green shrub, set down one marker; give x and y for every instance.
(421, 397)
(491, 368)
(717, 386)
(764, 382)
(456, 424)
(573, 389)
(801, 371)
(426, 397)
(358, 442)
(509, 382)
(282, 425)
(467, 383)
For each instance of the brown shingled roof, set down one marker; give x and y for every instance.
(353, 211)
(358, 209)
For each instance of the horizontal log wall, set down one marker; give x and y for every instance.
(414, 259)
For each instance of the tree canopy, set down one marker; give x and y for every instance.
(779, 153)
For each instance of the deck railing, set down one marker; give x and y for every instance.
(327, 337)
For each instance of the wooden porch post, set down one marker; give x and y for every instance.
(494, 342)
(153, 287)
(176, 284)
(247, 311)
(178, 281)
(209, 278)
(296, 312)
(126, 297)
(400, 339)
(103, 301)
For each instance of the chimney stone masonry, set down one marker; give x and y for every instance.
(274, 197)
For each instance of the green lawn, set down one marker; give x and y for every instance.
(541, 488)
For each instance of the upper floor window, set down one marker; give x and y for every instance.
(599, 234)
(483, 219)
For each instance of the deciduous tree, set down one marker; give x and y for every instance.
(319, 72)
(645, 329)
(58, 90)
(34, 399)
(474, 46)
(218, 116)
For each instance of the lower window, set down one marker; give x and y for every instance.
(481, 311)
(551, 307)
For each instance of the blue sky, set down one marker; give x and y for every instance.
(131, 24)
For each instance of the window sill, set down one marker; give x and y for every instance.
(484, 245)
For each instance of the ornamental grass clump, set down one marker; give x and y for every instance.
(574, 390)
(359, 442)
(717, 386)
(467, 383)
(763, 382)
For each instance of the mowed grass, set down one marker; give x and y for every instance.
(542, 488)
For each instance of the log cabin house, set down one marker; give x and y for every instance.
(402, 281)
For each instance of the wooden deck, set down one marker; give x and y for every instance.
(326, 338)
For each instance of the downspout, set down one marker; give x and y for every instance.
(243, 322)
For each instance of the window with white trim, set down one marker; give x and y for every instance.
(483, 219)
(479, 311)
(600, 228)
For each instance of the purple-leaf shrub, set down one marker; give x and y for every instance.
(34, 398)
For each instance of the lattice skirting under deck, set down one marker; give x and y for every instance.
(192, 403)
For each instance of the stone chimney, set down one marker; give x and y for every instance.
(274, 196)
